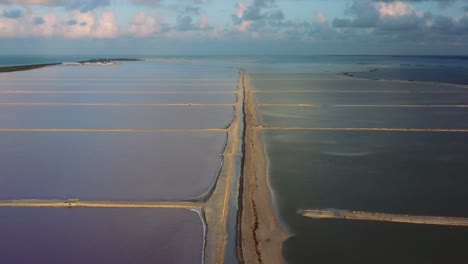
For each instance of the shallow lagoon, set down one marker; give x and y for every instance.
(406, 172)
(364, 117)
(109, 166)
(119, 98)
(116, 117)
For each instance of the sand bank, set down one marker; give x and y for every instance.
(397, 218)
(25, 67)
(261, 234)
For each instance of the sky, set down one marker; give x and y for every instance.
(231, 27)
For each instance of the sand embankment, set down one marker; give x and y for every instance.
(261, 235)
(384, 217)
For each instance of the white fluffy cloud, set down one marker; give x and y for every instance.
(143, 25)
(82, 5)
(76, 25)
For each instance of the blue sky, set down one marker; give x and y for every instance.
(233, 27)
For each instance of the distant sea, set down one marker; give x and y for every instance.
(450, 69)
(17, 60)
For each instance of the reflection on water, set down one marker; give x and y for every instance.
(107, 236)
(109, 166)
(421, 173)
(116, 117)
(456, 75)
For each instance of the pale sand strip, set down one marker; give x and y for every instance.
(289, 105)
(363, 106)
(398, 218)
(98, 204)
(106, 104)
(123, 84)
(217, 207)
(408, 106)
(107, 92)
(105, 79)
(261, 235)
(350, 76)
(366, 129)
(210, 130)
(350, 91)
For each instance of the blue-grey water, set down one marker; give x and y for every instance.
(411, 171)
(106, 134)
(107, 236)
(384, 171)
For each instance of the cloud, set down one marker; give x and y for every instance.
(261, 10)
(184, 23)
(149, 3)
(107, 27)
(259, 17)
(440, 1)
(204, 22)
(187, 23)
(29, 2)
(365, 13)
(399, 21)
(51, 25)
(192, 10)
(371, 14)
(15, 13)
(82, 5)
(38, 21)
(72, 22)
(144, 25)
(89, 25)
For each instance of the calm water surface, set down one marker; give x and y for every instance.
(108, 236)
(421, 173)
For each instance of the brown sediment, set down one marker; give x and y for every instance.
(262, 236)
(384, 217)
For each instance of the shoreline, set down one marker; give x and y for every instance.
(261, 233)
(27, 67)
(384, 217)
